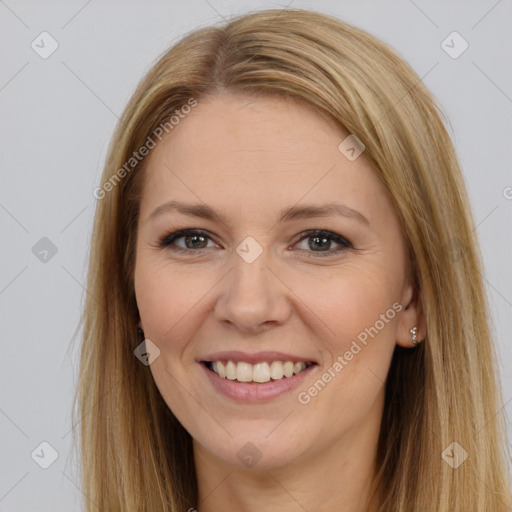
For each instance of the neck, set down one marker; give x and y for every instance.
(337, 477)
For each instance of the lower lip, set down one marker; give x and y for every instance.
(254, 392)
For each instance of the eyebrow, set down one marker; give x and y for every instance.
(204, 211)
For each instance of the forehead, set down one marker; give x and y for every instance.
(256, 154)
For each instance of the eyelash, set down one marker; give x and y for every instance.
(167, 241)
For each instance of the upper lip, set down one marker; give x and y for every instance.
(256, 357)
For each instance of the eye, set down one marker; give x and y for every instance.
(319, 241)
(196, 240)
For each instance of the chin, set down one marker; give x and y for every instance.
(254, 455)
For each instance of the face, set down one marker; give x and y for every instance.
(275, 315)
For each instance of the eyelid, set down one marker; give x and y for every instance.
(309, 233)
(166, 241)
(342, 242)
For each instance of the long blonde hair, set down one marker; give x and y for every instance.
(135, 454)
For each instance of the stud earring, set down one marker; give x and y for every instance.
(141, 332)
(414, 332)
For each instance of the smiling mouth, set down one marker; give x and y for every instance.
(256, 373)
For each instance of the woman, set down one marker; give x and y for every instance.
(285, 306)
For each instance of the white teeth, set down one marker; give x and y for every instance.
(220, 370)
(243, 372)
(259, 372)
(288, 369)
(276, 370)
(231, 371)
(298, 367)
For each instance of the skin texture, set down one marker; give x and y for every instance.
(250, 157)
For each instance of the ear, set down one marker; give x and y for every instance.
(138, 321)
(411, 316)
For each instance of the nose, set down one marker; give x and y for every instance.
(252, 298)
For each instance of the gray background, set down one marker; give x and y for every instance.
(57, 116)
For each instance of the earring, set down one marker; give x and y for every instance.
(141, 332)
(413, 332)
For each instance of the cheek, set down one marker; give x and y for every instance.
(350, 304)
(169, 302)
(357, 317)
(167, 298)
